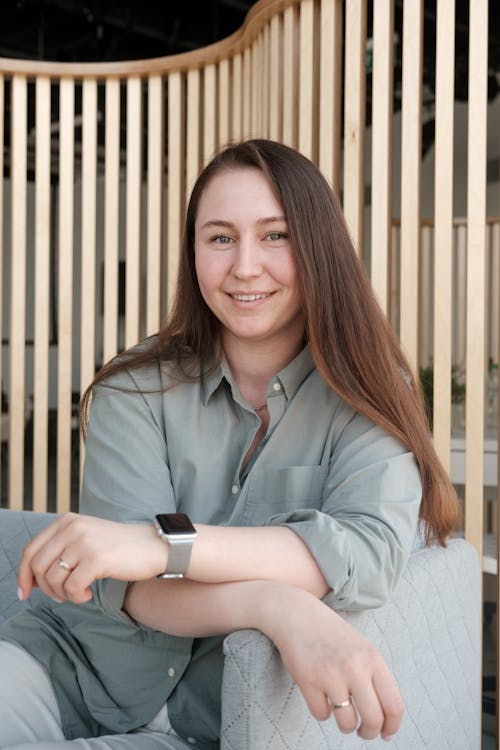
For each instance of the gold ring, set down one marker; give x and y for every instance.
(63, 564)
(343, 704)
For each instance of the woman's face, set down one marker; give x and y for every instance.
(245, 263)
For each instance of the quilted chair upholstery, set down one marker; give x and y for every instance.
(429, 634)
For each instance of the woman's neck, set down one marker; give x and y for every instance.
(254, 364)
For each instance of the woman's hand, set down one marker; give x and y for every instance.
(332, 663)
(75, 550)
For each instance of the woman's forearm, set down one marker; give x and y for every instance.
(191, 609)
(269, 553)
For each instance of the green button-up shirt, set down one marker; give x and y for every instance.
(350, 491)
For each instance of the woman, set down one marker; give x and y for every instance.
(277, 412)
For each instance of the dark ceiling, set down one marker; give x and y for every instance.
(111, 30)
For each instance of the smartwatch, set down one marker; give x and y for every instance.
(177, 530)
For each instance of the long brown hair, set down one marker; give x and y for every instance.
(351, 341)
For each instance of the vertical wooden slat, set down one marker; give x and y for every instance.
(175, 179)
(255, 90)
(381, 196)
(289, 78)
(247, 93)
(155, 203)
(236, 98)
(88, 252)
(133, 201)
(330, 86)
(443, 232)
(17, 291)
(65, 291)
(193, 152)
(411, 175)
(354, 120)
(476, 254)
(111, 218)
(275, 78)
(209, 112)
(42, 299)
(306, 79)
(265, 73)
(223, 69)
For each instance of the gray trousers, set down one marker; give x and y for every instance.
(29, 714)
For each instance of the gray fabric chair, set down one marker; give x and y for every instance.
(429, 633)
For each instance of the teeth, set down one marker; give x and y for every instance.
(248, 297)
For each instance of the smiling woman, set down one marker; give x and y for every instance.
(274, 433)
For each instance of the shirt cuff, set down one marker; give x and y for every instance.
(328, 543)
(109, 595)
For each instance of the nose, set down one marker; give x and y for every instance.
(247, 259)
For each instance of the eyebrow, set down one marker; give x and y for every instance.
(229, 224)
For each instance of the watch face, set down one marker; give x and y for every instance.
(175, 523)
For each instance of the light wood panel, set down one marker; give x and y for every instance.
(330, 87)
(223, 87)
(193, 129)
(381, 197)
(17, 405)
(354, 120)
(411, 140)
(289, 77)
(275, 78)
(237, 98)
(306, 79)
(209, 112)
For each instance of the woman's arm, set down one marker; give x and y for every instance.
(95, 548)
(327, 658)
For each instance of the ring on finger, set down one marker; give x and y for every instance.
(63, 564)
(342, 704)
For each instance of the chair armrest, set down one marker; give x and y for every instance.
(16, 530)
(429, 634)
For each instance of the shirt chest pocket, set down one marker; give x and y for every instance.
(277, 490)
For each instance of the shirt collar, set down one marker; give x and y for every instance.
(290, 377)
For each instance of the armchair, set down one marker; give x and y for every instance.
(428, 634)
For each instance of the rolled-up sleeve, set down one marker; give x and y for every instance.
(363, 533)
(126, 474)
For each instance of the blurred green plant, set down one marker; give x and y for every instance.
(427, 384)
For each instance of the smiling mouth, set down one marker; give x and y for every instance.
(249, 297)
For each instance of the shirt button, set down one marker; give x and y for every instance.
(192, 740)
(171, 672)
(235, 489)
(276, 387)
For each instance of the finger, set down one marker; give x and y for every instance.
(371, 715)
(317, 702)
(55, 577)
(391, 701)
(76, 586)
(25, 575)
(343, 711)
